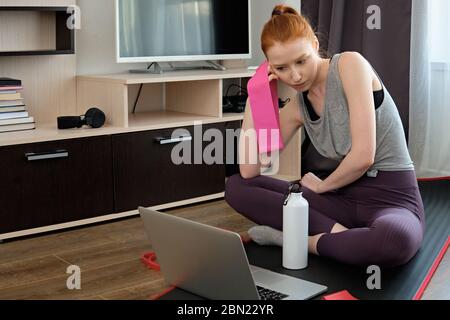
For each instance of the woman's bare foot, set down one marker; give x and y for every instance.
(245, 237)
(338, 228)
(312, 243)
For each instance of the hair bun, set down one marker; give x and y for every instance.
(277, 13)
(282, 9)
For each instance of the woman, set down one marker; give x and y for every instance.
(369, 210)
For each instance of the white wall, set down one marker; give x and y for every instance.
(261, 10)
(95, 44)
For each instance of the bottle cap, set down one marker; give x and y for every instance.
(295, 188)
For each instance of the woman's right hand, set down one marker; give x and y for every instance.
(272, 76)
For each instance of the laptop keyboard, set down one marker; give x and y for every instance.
(266, 294)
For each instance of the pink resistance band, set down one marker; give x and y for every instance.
(265, 111)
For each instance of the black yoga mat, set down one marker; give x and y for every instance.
(400, 283)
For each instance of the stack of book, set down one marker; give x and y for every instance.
(13, 114)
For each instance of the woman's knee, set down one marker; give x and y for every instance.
(397, 241)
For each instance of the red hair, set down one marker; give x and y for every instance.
(285, 25)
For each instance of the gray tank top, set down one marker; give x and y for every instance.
(331, 135)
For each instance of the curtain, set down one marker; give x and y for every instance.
(430, 82)
(146, 22)
(342, 25)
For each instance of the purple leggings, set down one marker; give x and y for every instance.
(384, 215)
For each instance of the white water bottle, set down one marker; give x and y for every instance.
(295, 230)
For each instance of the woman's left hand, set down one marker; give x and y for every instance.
(312, 182)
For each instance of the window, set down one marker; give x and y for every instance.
(439, 30)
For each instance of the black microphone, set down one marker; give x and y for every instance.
(94, 118)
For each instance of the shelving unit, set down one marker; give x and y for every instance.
(142, 172)
(171, 100)
(37, 47)
(184, 96)
(26, 30)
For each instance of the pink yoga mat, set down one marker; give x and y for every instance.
(265, 111)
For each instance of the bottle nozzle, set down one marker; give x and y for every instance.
(295, 188)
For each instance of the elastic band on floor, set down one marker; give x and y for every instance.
(149, 259)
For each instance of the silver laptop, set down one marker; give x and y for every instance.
(212, 262)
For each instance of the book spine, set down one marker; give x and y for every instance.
(6, 88)
(10, 83)
(10, 96)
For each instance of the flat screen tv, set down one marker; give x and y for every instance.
(182, 30)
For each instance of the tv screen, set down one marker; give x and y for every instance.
(182, 30)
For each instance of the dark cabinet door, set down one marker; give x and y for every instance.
(145, 173)
(231, 147)
(55, 182)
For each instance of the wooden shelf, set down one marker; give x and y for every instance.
(36, 53)
(138, 122)
(233, 116)
(49, 132)
(37, 30)
(175, 76)
(34, 8)
(166, 119)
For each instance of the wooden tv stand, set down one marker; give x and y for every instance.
(109, 172)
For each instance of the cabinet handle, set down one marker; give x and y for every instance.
(46, 155)
(162, 140)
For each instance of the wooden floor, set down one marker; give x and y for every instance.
(109, 258)
(108, 255)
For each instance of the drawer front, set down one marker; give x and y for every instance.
(54, 182)
(146, 175)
